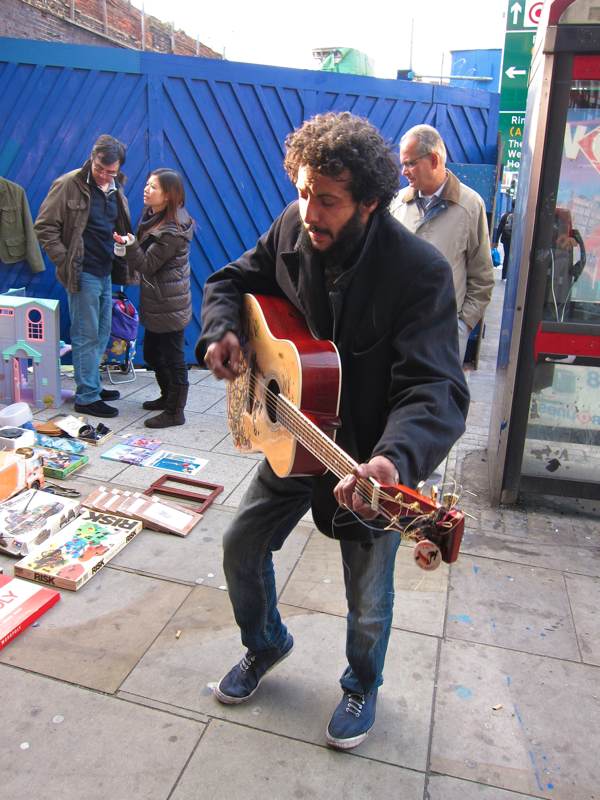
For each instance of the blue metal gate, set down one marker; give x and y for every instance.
(221, 124)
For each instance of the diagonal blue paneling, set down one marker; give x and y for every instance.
(221, 124)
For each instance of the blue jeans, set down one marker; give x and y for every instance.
(91, 315)
(271, 508)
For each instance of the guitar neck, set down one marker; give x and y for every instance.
(340, 464)
(313, 439)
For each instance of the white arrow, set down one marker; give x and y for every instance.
(512, 72)
(515, 10)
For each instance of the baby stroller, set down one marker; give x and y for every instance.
(120, 350)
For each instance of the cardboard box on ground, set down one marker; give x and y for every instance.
(73, 555)
(21, 603)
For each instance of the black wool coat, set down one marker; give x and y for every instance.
(162, 257)
(404, 394)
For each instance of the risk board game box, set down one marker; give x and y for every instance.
(73, 555)
(30, 518)
(21, 603)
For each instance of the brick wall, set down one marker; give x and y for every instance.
(97, 22)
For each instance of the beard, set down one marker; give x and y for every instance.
(344, 246)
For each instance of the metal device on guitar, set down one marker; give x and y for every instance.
(285, 404)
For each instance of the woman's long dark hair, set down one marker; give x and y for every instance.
(172, 186)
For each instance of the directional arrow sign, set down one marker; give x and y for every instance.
(517, 61)
(515, 10)
(522, 17)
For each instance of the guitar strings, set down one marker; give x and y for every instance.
(296, 425)
(342, 464)
(287, 413)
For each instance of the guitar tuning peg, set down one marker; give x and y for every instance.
(449, 500)
(433, 493)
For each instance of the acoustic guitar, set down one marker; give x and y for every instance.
(285, 404)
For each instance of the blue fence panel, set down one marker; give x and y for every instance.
(221, 124)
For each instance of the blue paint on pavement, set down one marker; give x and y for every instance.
(536, 771)
(463, 692)
(518, 715)
(464, 618)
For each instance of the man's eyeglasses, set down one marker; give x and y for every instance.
(102, 171)
(411, 164)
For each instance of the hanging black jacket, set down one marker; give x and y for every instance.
(404, 394)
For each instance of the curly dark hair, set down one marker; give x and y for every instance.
(330, 143)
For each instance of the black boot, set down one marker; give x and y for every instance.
(162, 378)
(173, 413)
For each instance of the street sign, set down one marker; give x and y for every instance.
(515, 70)
(522, 18)
(523, 14)
(511, 133)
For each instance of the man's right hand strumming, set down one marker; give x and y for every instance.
(223, 358)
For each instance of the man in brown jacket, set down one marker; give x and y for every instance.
(75, 227)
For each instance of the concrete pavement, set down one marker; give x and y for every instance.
(491, 683)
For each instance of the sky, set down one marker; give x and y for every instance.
(284, 34)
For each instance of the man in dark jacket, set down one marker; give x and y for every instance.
(75, 227)
(504, 235)
(386, 299)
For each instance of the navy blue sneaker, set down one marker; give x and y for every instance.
(352, 720)
(243, 680)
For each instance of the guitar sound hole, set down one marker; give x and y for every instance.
(271, 400)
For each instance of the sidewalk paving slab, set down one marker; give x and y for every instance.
(566, 554)
(293, 769)
(440, 787)
(58, 740)
(509, 605)
(94, 637)
(538, 741)
(297, 699)
(584, 597)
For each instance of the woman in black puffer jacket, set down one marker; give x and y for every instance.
(161, 255)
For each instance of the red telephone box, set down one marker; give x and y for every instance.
(545, 428)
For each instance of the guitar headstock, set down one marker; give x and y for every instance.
(424, 519)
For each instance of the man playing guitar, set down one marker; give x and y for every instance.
(385, 298)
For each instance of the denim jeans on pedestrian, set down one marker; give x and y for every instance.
(91, 314)
(270, 510)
